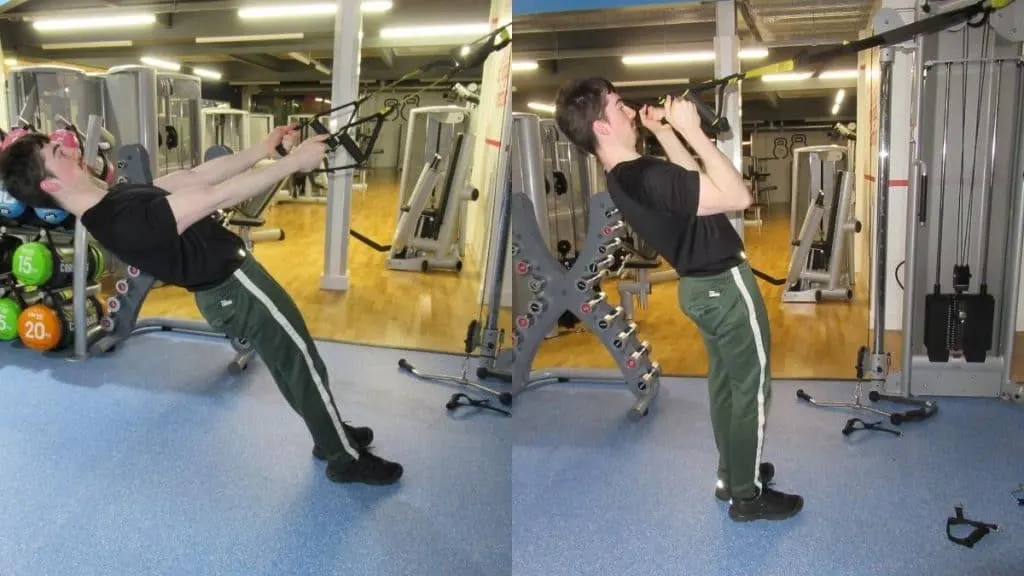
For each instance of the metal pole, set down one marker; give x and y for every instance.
(80, 262)
(1015, 242)
(882, 196)
(727, 62)
(918, 188)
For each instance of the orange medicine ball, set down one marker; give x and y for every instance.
(40, 328)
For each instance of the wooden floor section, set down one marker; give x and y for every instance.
(431, 311)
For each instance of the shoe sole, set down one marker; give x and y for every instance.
(342, 480)
(775, 516)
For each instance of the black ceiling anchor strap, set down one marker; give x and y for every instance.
(457, 400)
(851, 427)
(981, 529)
(1019, 495)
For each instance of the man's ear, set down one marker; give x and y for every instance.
(601, 128)
(50, 185)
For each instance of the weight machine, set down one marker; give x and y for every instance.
(543, 288)
(820, 266)
(954, 342)
(429, 233)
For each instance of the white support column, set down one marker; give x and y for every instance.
(348, 32)
(727, 62)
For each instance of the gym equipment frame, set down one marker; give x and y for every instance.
(543, 289)
(968, 337)
(820, 270)
(431, 238)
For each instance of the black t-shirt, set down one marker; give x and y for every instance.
(658, 200)
(135, 223)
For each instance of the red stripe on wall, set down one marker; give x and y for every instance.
(893, 183)
(493, 142)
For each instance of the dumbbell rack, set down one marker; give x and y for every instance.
(543, 289)
(554, 289)
(53, 297)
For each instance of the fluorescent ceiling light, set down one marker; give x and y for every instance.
(158, 63)
(207, 73)
(92, 22)
(321, 68)
(549, 108)
(838, 74)
(688, 57)
(524, 66)
(10, 61)
(839, 96)
(436, 31)
(249, 38)
(787, 77)
(81, 45)
(306, 10)
(323, 100)
(835, 109)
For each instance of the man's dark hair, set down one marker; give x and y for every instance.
(22, 170)
(578, 105)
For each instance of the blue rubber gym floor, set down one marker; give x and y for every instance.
(155, 461)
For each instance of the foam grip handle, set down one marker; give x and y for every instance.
(350, 146)
(710, 122)
(803, 395)
(280, 149)
(914, 416)
(922, 206)
(404, 364)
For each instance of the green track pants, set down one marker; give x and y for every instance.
(730, 313)
(252, 305)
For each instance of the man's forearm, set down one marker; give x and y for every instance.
(675, 150)
(223, 168)
(240, 188)
(719, 168)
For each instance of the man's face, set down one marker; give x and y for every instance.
(64, 165)
(621, 120)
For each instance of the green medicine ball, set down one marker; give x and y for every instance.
(9, 312)
(33, 264)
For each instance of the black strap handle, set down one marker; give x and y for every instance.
(981, 529)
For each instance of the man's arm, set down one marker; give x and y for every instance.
(675, 150)
(192, 204)
(213, 172)
(722, 188)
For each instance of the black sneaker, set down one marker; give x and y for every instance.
(767, 470)
(770, 504)
(369, 469)
(362, 436)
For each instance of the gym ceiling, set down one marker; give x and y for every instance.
(212, 35)
(595, 43)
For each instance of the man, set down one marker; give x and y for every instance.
(680, 210)
(165, 229)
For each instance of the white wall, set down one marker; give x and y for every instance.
(386, 154)
(778, 159)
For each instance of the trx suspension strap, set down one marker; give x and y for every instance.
(713, 121)
(470, 56)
